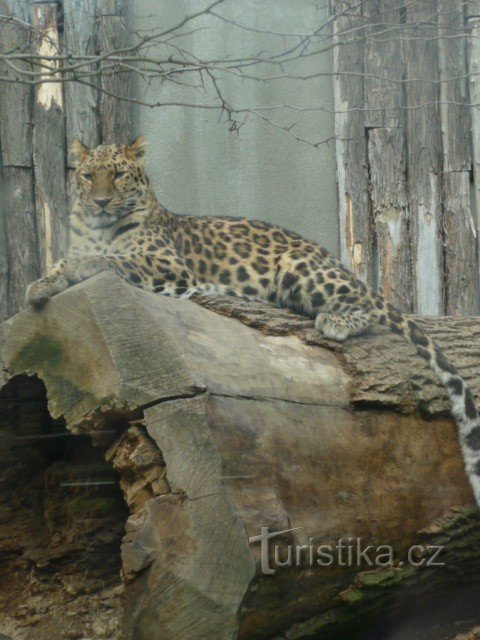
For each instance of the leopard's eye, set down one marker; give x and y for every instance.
(120, 174)
(87, 176)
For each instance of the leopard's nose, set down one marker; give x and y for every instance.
(102, 202)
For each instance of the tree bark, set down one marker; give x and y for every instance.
(217, 430)
(411, 99)
(17, 203)
(80, 100)
(352, 178)
(49, 145)
(386, 149)
(424, 158)
(461, 292)
(473, 67)
(115, 119)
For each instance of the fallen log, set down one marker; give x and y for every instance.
(215, 436)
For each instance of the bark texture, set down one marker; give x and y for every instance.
(460, 231)
(216, 430)
(49, 144)
(412, 99)
(352, 178)
(384, 131)
(17, 208)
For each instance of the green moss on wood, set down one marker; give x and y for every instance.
(41, 350)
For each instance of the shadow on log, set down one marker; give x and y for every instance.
(212, 431)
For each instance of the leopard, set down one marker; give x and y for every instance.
(117, 224)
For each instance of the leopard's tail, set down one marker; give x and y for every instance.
(463, 406)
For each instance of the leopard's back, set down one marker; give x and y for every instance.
(245, 257)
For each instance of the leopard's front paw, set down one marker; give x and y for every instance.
(40, 291)
(332, 327)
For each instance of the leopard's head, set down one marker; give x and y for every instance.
(111, 180)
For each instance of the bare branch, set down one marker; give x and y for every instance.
(161, 55)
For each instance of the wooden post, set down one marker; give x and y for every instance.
(424, 231)
(473, 60)
(387, 153)
(461, 289)
(115, 120)
(4, 274)
(424, 157)
(16, 143)
(49, 144)
(80, 101)
(352, 178)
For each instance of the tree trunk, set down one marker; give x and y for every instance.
(49, 145)
(461, 292)
(115, 120)
(352, 177)
(20, 245)
(217, 430)
(418, 87)
(386, 149)
(473, 68)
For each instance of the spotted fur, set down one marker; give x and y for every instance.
(118, 224)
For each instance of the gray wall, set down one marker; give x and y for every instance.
(198, 166)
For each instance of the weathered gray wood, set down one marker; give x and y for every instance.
(383, 59)
(80, 101)
(15, 123)
(352, 180)
(424, 156)
(20, 233)
(115, 119)
(19, 259)
(49, 145)
(379, 360)
(425, 253)
(386, 156)
(205, 414)
(387, 151)
(461, 290)
(4, 274)
(473, 66)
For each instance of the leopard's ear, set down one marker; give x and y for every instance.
(78, 152)
(136, 149)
